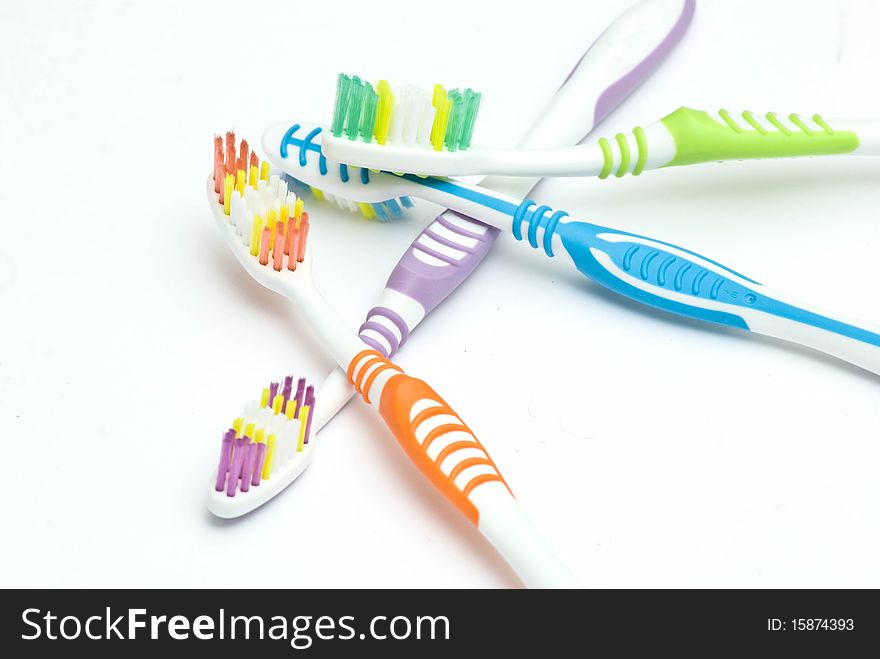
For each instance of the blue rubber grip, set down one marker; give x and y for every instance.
(677, 280)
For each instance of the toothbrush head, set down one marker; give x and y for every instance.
(263, 222)
(264, 450)
(383, 210)
(408, 130)
(408, 116)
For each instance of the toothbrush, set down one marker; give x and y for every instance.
(264, 449)
(272, 248)
(649, 271)
(684, 137)
(621, 57)
(431, 268)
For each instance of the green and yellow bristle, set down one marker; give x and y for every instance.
(407, 116)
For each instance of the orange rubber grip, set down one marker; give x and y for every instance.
(399, 396)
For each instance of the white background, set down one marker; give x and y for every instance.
(650, 451)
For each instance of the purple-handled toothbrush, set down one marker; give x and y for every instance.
(450, 248)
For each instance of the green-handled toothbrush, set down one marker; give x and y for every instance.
(684, 137)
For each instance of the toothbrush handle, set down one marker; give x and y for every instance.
(620, 59)
(680, 281)
(688, 136)
(442, 256)
(684, 137)
(448, 454)
(418, 283)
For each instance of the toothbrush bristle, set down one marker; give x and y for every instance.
(230, 151)
(267, 436)
(265, 214)
(408, 116)
(309, 404)
(219, 164)
(242, 155)
(300, 390)
(383, 212)
(288, 387)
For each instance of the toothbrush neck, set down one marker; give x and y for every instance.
(342, 343)
(488, 206)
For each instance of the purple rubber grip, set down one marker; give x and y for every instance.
(428, 284)
(615, 93)
(383, 331)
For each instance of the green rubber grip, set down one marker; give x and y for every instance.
(700, 138)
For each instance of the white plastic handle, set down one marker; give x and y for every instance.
(621, 58)
(617, 62)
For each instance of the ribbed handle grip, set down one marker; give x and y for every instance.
(385, 330)
(457, 464)
(674, 279)
(703, 137)
(433, 436)
(438, 442)
(442, 256)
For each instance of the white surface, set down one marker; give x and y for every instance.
(648, 450)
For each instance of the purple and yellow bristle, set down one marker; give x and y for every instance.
(265, 438)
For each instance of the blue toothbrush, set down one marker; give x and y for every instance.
(647, 270)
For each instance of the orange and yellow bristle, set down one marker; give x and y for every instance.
(267, 216)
